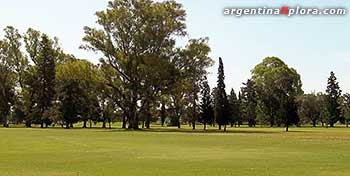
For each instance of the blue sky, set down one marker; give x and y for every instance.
(313, 45)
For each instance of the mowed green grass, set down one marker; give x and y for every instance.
(167, 152)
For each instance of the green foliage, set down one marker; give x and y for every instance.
(346, 108)
(234, 106)
(333, 97)
(221, 108)
(134, 33)
(206, 105)
(249, 103)
(7, 80)
(46, 72)
(80, 83)
(311, 106)
(278, 87)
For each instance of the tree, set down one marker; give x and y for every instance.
(13, 68)
(221, 104)
(206, 105)
(333, 96)
(249, 103)
(277, 87)
(195, 60)
(240, 110)
(39, 77)
(78, 91)
(264, 75)
(234, 107)
(346, 109)
(133, 35)
(46, 73)
(163, 111)
(20, 62)
(310, 108)
(7, 83)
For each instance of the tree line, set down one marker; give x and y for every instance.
(144, 77)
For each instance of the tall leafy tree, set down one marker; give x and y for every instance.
(221, 104)
(7, 83)
(79, 92)
(310, 108)
(249, 103)
(196, 61)
(20, 62)
(133, 35)
(278, 87)
(333, 96)
(206, 105)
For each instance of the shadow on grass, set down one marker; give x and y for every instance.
(242, 130)
(199, 131)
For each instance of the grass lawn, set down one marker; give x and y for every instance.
(168, 151)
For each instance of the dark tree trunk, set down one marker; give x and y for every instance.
(219, 126)
(225, 128)
(347, 124)
(84, 125)
(67, 124)
(250, 123)
(272, 120)
(287, 128)
(134, 121)
(28, 124)
(124, 122)
(147, 114)
(162, 114)
(193, 125)
(71, 125)
(148, 124)
(331, 124)
(205, 126)
(4, 121)
(104, 124)
(314, 123)
(42, 125)
(178, 123)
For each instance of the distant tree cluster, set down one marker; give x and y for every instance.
(143, 78)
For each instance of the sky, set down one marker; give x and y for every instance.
(313, 45)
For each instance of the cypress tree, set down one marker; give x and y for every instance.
(221, 103)
(234, 107)
(46, 78)
(206, 106)
(333, 94)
